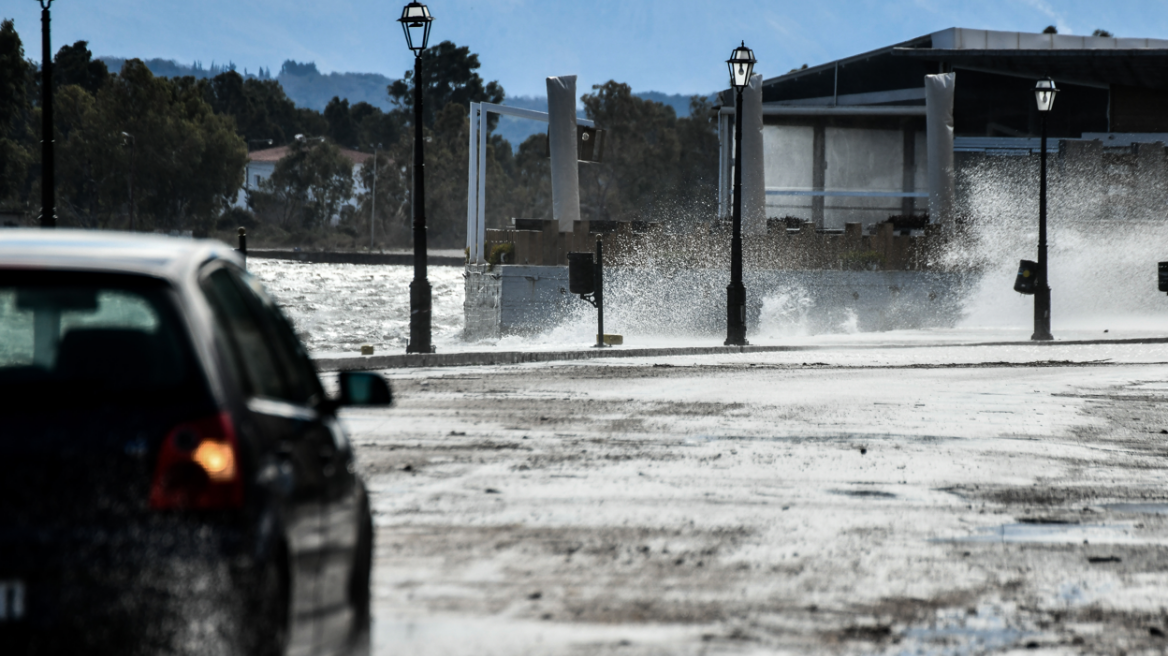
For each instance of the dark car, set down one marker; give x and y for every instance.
(174, 478)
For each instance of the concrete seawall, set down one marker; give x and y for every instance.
(523, 299)
(326, 257)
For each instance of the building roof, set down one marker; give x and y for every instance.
(1086, 60)
(278, 153)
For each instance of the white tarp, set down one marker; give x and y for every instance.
(939, 125)
(561, 93)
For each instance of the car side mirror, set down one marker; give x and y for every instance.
(364, 388)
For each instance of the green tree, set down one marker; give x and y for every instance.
(149, 138)
(75, 65)
(642, 150)
(307, 188)
(342, 129)
(260, 107)
(449, 76)
(15, 107)
(656, 166)
(392, 203)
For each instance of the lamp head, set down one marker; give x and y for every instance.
(1044, 93)
(415, 21)
(741, 65)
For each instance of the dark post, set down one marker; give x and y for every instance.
(133, 163)
(243, 245)
(1042, 290)
(48, 165)
(420, 291)
(598, 293)
(736, 291)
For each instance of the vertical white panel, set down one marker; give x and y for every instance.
(480, 255)
(472, 178)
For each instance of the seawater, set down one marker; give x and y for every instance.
(337, 308)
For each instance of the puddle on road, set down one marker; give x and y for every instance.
(955, 632)
(1142, 508)
(1122, 533)
(870, 494)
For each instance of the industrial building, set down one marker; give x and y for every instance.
(848, 141)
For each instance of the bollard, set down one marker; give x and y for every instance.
(598, 282)
(242, 250)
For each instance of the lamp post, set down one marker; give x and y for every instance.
(741, 65)
(373, 196)
(415, 21)
(1044, 93)
(130, 177)
(48, 164)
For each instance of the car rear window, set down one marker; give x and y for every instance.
(106, 335)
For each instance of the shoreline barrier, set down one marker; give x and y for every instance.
(487, 358)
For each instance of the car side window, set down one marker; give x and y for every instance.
(302, 384)
(244, 336)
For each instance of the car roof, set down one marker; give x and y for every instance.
(161, 256)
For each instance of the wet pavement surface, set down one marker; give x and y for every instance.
(959, 500)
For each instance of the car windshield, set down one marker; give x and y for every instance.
(114, 337)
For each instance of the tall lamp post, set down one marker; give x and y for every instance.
(1044, 93)
(48, 165)
(415, 21)
(130, 178)
(741, 65)
(373, 197)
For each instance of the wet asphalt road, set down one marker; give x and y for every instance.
(964, 500)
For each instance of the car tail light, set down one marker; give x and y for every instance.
(198, 467)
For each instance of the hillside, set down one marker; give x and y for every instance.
(303, 83)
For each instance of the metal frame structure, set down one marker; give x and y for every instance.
(476, 181)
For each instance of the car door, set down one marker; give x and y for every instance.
(341, 491)
(282, 421)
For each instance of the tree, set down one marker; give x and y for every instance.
(641, 152)
(260, 108)
(1050, 29)
(449, 76)
(341, 127)
(392, 203)
(1100, 32)
(75, 65)
(185, 162)
(656, 166)
(308, 186)
(15, 108)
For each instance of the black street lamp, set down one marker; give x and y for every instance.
(48, 164)
(130, 178)
(415, 21)
(1044, 93)
(741, 65)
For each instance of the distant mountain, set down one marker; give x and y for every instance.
(171, 68)
(308, 88)
(516, 130)
(303, 83)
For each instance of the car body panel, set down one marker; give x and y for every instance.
(109, 542)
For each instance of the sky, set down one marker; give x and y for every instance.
(673, 46)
